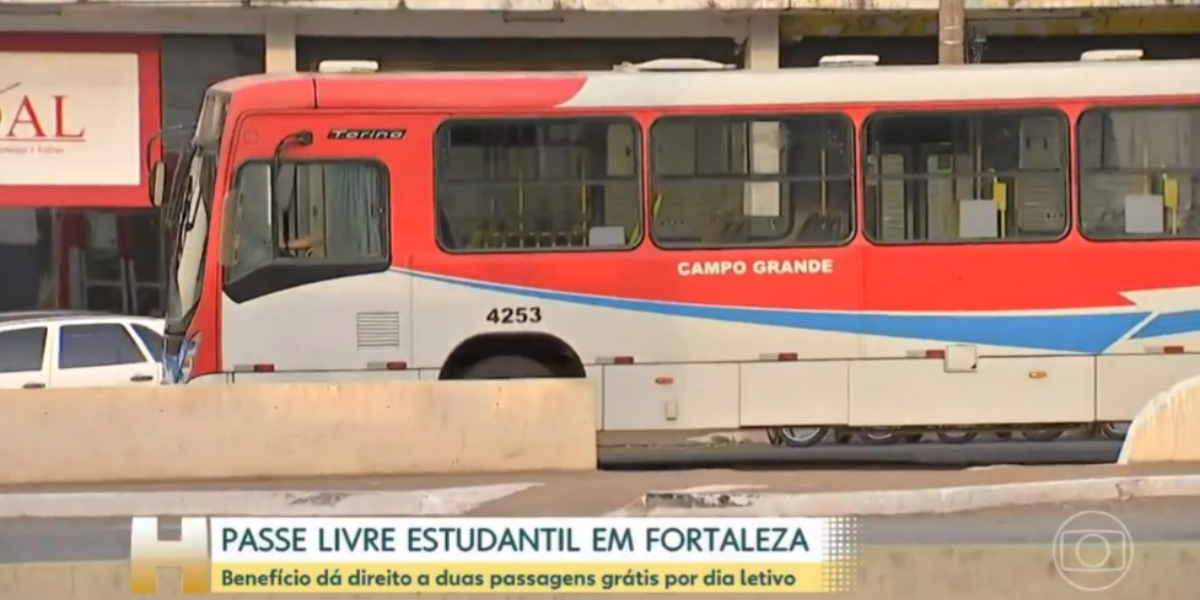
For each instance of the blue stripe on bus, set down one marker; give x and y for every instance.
(1083, 333)
(1176, 323)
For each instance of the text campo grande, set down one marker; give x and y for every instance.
(521, 540)
(804, 266)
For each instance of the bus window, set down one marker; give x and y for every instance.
(538, 185)
(338, 214)
(965, 177)
(1138, 173)
(749, 181)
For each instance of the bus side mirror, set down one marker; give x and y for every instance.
(283, 188)
(229, 227)
(158, 183)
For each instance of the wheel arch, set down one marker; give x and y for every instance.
(545, 348)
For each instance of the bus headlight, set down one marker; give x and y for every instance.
(180, 365)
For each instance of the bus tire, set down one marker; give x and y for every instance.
(774, 437)
(1042, 435)
(956, 437)
(879, 437)
(802, 437)
(508, 366)
(1114, 431)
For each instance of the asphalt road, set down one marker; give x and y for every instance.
(1173, 520)
(43, 540)
(928, 454)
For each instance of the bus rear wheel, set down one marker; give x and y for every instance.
(956, 437)
(508, 366)
(1114, 431)
(1042, 435)
(879, 437)
(802, 437)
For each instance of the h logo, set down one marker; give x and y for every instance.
(148, 554)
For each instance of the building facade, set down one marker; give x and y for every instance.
(87, 88)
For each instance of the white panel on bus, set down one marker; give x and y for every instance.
(1125, 384)
(1143, 214)
(795, 393)
(977, 219)
(679, 396)
(921, 392)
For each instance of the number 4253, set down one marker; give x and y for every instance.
(511, 315)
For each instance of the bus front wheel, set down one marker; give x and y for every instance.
(508, 366)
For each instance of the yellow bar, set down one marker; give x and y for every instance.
(532, 578)
(1171, 201)
(1000, 197)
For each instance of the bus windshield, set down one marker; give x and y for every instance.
(189, 212)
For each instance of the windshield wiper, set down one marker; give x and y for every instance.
(184, 201)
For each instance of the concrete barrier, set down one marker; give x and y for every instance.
(932, 572)
(1167, 429)
(170, 433)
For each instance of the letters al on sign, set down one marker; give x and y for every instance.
(148, 554)
(70, 118)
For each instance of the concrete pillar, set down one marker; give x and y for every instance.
(761, 50)
(279, 32)
(761, 53)
(952, 25)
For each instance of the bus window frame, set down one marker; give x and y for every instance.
(1067, 173)
(750, 118)
(638, 179)
(286, 272)
(207, 139)
(1079, 171)
(219, 102)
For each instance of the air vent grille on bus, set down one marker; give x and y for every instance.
(377, 330)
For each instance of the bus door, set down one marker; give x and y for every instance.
(309, 289)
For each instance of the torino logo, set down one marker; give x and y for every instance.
(803, 266)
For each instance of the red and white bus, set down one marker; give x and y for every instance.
(851, 247)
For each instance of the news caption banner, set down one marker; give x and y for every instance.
(598, 555)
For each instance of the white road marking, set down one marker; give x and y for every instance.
(918, 501)
(432, 502)
(711, 489)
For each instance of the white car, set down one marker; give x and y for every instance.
(53, 349)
